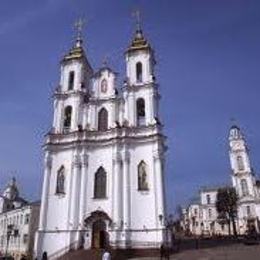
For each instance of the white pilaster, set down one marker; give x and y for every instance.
(160, 205)
(45, 190)
(117, 198)
(126, 191)
(83, 187)
(75, 193)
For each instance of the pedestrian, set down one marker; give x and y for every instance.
(162, 251)
(106, 255)
(44, 256)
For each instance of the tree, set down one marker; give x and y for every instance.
(226, 205)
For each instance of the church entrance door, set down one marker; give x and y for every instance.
(99, 234)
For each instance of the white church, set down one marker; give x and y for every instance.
(201, 217)
(104, 157)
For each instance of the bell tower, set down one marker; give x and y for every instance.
(141, 90)
(74, 87)
(242, 177)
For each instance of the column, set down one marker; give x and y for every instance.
(75, 192)
(83, 188)
(45, 190)
(151, 108)
(159, 185)
(126, 191)
(117, 205)
(131, 109)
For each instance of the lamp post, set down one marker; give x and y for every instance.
(168, 222)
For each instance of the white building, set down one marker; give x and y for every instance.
(201, 217)
(20, 218)
(104, 157)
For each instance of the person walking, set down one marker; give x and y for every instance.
(106, 255)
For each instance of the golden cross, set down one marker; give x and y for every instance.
(137, 15)
(79, 24)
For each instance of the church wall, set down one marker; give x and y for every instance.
(142, 201)
(58, 205)
(99, 157)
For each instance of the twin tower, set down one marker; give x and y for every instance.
(104, 157)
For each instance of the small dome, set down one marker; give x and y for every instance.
(11, 192)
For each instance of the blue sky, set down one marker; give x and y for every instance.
(208, 54)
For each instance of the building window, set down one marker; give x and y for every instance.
(139, 72)
(71, 80)
(27, 219)
(104, 86)
(142, 176)
(208, 199)
(25, 238)
(100, 184)
(248, 211)
(140, 108)
(67, 117)
(240, 163)
(60, 182)
(210, 213)
(102, 120)
(195, 211)
(244, 187)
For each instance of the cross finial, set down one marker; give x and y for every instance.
(137, 15)
(105, 60)
(79, 24)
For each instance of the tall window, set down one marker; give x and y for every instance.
(248, 210)
(140, 109)
(240, 163)
(102, 120)
(142, 176)
(71, 80)
(100, 183)
(244, 187)
(60, 182)
(139, 72)
(67, 117)
(210, 213)
(208, 199)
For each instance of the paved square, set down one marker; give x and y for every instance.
(234, 252)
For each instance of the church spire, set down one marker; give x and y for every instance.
(139, 42)
(77, 51)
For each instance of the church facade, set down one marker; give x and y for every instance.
(104, 157)
(201, 217)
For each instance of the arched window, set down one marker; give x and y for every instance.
(67, 117)
(240, 163)
(140, 110)
(244, 187)
(100, 183)
(104, 86)
(60, 182)
(142, 176)
(139, 72)
(71, 80)
(102, 120)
